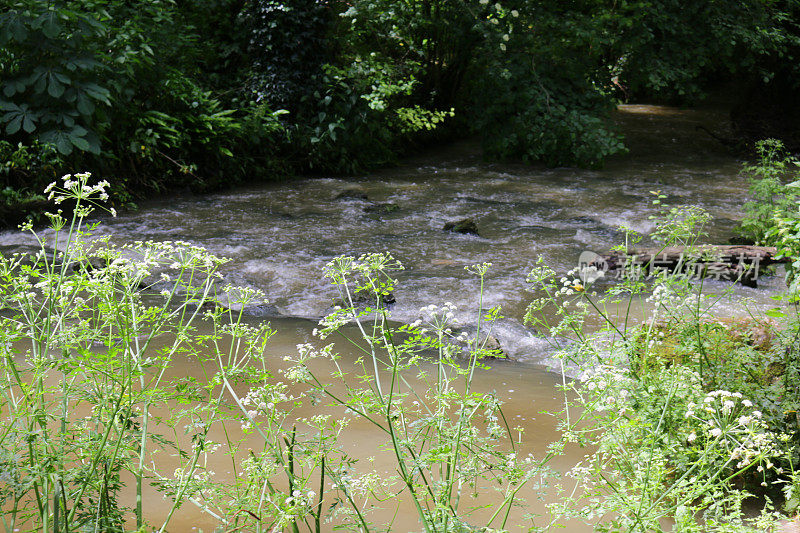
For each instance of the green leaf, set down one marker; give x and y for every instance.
(28, 125)
(97, 92)
(59, 138)
(54, 88)
(41, 84)
(79, 142)
(85, 106)
(64, 145)
(775, 313)
(51, 28)
(13, 126)
(13, 27)
(94, 142)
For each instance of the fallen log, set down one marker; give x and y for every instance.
(739, 263)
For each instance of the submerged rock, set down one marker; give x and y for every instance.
(361, 300)
(466, 226)
(382, 209)
(352, 193)
(487, 201)
(263, 310)
(490, 344)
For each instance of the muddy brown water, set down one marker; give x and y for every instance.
(528, 399)
(279, 237)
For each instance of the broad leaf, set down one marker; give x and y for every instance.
(13, 126)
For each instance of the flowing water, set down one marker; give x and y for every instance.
(279, 237)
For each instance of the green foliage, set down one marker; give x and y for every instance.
(774, 192)
(444, 435)
(78, 388)
(289, 45)
(168, 117)
(414, 119)
(544, 92)
(672, 50)
(51, 70)
(27, 164)
(119, 87)
(773, 216)
(162, 93)
(339, 129)
(688, 415)
(557, 127)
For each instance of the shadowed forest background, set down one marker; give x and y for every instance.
(166, 94)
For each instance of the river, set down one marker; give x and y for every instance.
(280, 235)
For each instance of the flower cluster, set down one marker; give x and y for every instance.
(664, 296)
(440, 319)
(333, 321)
(608, 388)
(76, 187)
(361, 486)
(261, 401)
(576, 280)
(727, 420)
(299, 372)
(588, 274)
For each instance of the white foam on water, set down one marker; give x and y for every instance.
(635, 220)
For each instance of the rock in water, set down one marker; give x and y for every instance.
(382, 209)
(491, 346)
(362, 300)
(466, 226)
(352, 194)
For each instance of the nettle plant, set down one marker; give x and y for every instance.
(683, 426)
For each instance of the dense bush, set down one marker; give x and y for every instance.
(121, 88)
